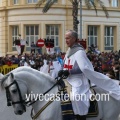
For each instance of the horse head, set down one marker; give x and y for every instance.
(15, 93)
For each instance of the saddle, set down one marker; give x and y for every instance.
(67, 110)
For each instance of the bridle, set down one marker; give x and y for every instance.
(8, 96)
(25, 103)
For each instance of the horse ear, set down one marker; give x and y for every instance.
(12, 75)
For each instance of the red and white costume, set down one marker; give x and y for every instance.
(50, 50)
(81, 70)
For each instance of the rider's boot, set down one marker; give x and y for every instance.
(83, 117)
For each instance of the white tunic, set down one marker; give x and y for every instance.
(54, 69)
(45, 67)
(50, 51)
(80, 84)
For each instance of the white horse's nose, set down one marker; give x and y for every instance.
(19, 112)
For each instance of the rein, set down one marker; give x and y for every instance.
(43, 108)
(59, 82)
(28, 103)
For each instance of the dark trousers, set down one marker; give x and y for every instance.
(83, 117)
(22, 49)
(32, 50)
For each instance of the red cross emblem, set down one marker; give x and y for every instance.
(68, 66)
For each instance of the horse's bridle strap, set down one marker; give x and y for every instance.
(9, 102)
(18, 102)
(10, 84)
(44, 107)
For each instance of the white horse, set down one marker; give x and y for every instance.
(31, 82)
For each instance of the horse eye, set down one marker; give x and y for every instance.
(14, 91)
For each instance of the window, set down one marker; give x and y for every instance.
(31, 34)
(92, 1)
(52, 32)
(15, 33)
(56, 1)
(15, 1)
(32, 1)
(92, 35)
(114, 3)
(109, 37)
(35, 1)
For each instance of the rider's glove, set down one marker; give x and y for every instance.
(60, 73)
(63, 73)
(66, 73)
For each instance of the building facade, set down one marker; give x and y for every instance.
(21, 17)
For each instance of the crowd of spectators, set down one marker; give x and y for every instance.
(104, 62)
(33, 60)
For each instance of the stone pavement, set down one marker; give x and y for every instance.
(7, 113)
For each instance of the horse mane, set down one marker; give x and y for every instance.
(47, 77)
(27, 70)
(33, 71)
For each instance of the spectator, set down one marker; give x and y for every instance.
(111, 74)
(33, 47)
(32, 62)
(17, 44)
(22, 61)
(23, 43)
(14, 60)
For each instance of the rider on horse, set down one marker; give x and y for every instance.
(80, 70)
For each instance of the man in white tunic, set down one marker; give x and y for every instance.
(81, 69)
(45, 67)
(55, 68)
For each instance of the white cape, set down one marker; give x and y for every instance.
(97, 78)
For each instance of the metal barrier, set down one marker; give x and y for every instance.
(4, 69)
